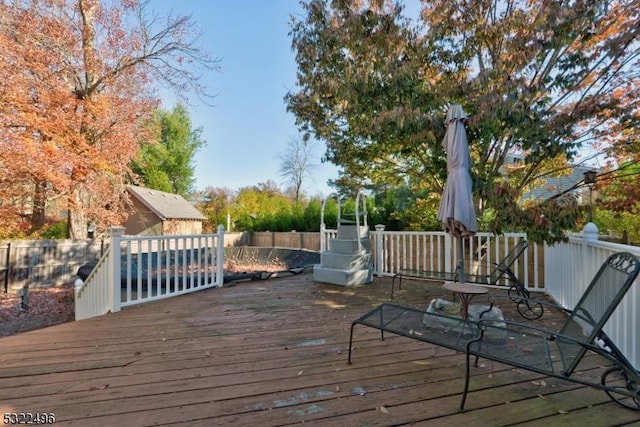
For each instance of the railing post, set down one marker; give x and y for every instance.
(380, 268)
(590, 232)
(220, 258)
(447, 252)
(116, 261)
(7, 269)
(589, 238)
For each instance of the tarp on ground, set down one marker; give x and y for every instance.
(256, 256)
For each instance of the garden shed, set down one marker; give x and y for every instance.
(157, 213)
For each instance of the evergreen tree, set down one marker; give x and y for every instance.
(167, 164)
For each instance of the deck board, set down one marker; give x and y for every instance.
(274, 353)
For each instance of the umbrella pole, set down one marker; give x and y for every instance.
(460, 261)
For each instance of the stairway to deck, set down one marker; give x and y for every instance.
(347, 258)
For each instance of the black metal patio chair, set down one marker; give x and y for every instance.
(529, 346)
(517, 291)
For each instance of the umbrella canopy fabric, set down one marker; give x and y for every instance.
(456, 211)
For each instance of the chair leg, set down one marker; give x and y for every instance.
(350, 343)
(466, 380)
(393, 284)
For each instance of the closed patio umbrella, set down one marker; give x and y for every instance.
(456, 211)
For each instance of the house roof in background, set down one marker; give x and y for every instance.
(165, 205)
(553, 186)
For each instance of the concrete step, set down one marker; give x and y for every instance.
(345, 261)
(341, 277)
(348, 246)
(352, 232)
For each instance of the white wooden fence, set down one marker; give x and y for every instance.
(138, 269)
(436, 251)
(570, 267)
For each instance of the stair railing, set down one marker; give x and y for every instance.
(360, 197)
(323, 227)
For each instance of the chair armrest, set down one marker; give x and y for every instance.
(550, 334)
(515, 326)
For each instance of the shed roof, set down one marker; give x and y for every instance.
(166, 205)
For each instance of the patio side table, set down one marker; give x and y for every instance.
(465, 292)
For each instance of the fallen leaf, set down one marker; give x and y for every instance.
(383, 409)
(542, 397)
(102, 387)
(301, 372)
(562, 411)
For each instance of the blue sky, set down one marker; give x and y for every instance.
(248, 128)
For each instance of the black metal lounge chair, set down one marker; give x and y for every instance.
(517, 292)
(528, 346)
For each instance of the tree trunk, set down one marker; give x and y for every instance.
(38, 214)
(77, 221)
(77, 224)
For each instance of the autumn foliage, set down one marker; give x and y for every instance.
(543, 81)
(77, 89)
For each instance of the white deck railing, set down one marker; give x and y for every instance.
(569, 269)
(436, 251)
(93, 296)
(138, 269)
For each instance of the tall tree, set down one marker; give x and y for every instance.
(168, 163)
(540, 79)
(259, 204)
(296, 164)
(78, 87)
(215, 203)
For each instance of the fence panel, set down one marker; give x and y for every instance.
(41, 263)
(437, 251)
(140, 269)
(164, 266)
(571, 266)
(93, 301)
(289, 240)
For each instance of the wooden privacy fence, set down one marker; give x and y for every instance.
(289, 240)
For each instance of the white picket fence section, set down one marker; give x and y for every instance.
(139, 269)
(437, 251)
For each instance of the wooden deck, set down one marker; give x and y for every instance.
(273, 353)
